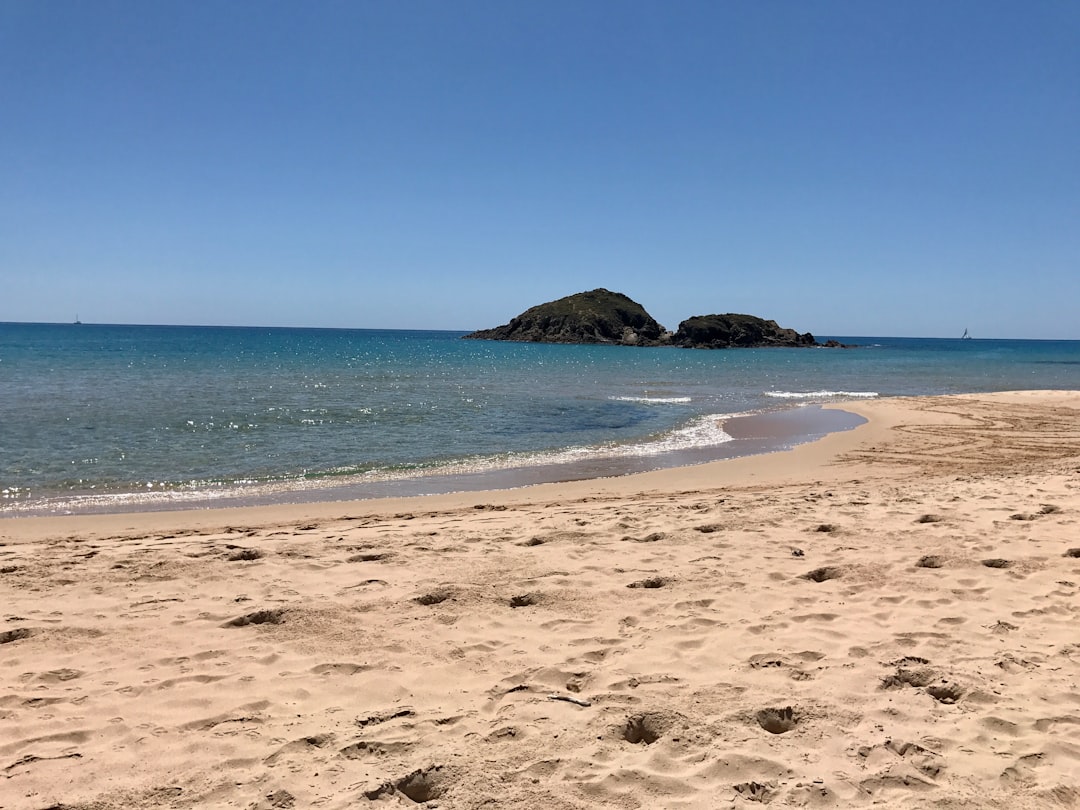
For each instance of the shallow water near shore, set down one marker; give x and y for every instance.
(112, 418)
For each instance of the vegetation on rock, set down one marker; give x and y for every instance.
(599, 316)
(602, 316)
(733, 330)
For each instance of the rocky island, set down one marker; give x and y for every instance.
(602, 316)
(599, 316)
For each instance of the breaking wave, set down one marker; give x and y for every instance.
(653, 400)
(822, 394)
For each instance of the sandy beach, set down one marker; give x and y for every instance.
(885, 617)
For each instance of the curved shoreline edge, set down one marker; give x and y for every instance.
(810, 460)
(744, 434)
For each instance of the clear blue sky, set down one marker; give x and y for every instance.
(852, 168)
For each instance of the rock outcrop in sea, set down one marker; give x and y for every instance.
(602, 316)
(736, 331)
(599, 316)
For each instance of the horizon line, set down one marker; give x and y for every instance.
(464, 331)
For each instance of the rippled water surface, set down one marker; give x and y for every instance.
(151, 414)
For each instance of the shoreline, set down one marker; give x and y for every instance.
(767, 457)
(749, 434)
(883, 617)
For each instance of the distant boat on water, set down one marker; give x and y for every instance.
(965, 336)
(79, 323)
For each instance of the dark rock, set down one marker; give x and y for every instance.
(602, 316)
(736, 331)
(599, 316)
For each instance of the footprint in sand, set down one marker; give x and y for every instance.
(649, 582)
(276, 616)
(19, 633)
(245, 554)
(419, 786)
(777, 720)
(823, 574)
(435, 597)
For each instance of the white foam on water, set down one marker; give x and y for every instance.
(653, 400)
(822, 394)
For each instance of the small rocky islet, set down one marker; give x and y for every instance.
(605, 317)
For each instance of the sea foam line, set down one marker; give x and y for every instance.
(822, 394)
(652, 400)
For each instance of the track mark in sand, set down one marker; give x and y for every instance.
(650, 582)
(19, 633)
(365, 583)
(155, 601)
(894, 781)
(276, 616)
(302, 745)
(777, 720)
(30, 759)
(997, 562)
(643, 680)
(946, 692)
(780, 662)
(362, 749)
(228, 718)
(435, 597)
(1010, 663)
(1049, 723)
(930, 561)
(419, 786)
(60, 675)
(341, 669)
(923, 676)
(1047, 509)
(643, 729)
(281, 800)
(655, 537)
(33, 703)
(823, 574)
(373, 557)
(908, 659)
(754, 791)
(807, 617)
(245, 554)
(927, 678)
(923, 759)
(384, 717)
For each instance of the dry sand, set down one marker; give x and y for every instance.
(887, 617)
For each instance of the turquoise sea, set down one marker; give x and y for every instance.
(99, 418)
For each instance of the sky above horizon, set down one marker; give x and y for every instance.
(845, 168)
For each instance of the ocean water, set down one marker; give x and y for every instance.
(144, 417)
